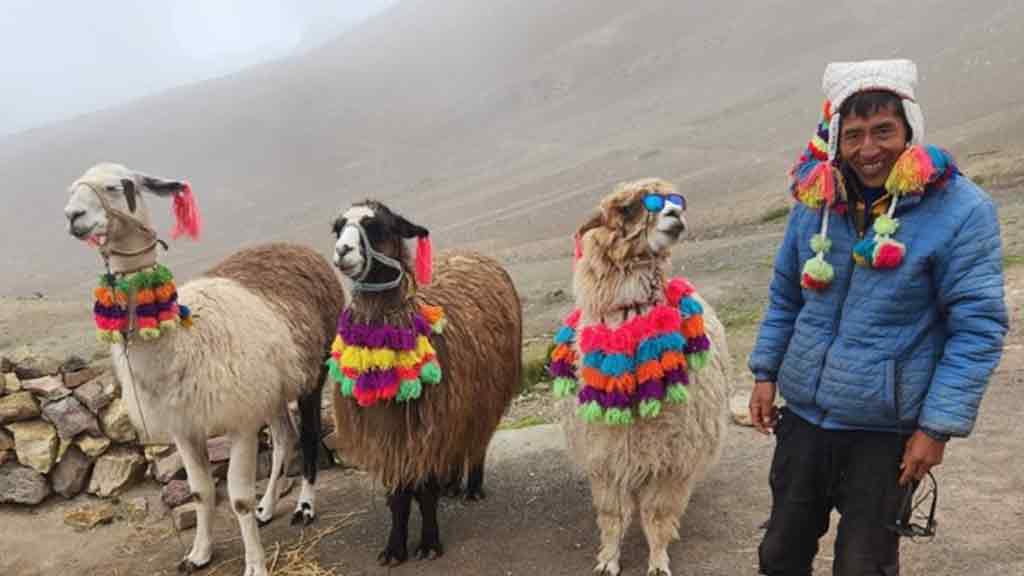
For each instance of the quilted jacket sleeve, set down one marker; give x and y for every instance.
(969, 277)
(784, 302)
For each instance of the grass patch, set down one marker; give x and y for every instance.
(535, 365)
(1012, 260)
(774, 214)
(735, 315)
(524, 422)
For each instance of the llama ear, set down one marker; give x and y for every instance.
(129, 193)
(407, 229)
(160, 186)
(596, 221)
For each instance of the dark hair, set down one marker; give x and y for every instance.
(866, 103)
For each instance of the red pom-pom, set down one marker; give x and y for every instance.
(424, 261)
(187, 219)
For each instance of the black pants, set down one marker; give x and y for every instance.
(814, 470)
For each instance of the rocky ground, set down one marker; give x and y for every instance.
(537, 518)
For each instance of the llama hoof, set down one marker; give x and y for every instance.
(475, 495)
(430, 550)
(304, 515)
(610, 568)
(392, 556)
(263, 518)
(186, 566)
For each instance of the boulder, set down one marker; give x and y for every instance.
(71, 473)
(35, 442)
(71, 418)
(75, 379)
(11, 383)
(116, 470)
(18, 407)
(98, 393)
(169, 468)
(176, 493)
(48, 388)
(29, 364)
(93, 446)
(89, 516)
(22, 485)
(116, 423)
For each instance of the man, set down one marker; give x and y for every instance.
(885, 321)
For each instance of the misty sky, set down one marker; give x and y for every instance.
(62, 58)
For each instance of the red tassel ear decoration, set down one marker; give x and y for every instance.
(424, 261)
(577, 247)
(187, 219)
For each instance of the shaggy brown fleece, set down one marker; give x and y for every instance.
(452, 423)
(301, 285)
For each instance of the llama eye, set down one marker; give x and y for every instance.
(628, 211)
(112, 188)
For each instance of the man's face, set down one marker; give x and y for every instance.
(872, 145)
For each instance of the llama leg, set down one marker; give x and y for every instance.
(428, 495)
(309, 437)
(662, 502)
(396, 552)
(475, 484)
(453, 483)
(614, 510)
(200, 482)
(282, 436)
(242, 491)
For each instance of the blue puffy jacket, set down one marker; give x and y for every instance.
(891, 350)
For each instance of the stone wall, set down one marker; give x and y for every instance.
(64, 431)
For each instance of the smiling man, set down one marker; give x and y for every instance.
(885, 321)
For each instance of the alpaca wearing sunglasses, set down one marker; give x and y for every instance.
(638, 454)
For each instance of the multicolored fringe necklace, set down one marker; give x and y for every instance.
(632, 370)
(156, 305)
(375, 363)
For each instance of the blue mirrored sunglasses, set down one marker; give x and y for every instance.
(656, 202)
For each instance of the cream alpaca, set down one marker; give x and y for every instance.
(652, 463)
(263, 322)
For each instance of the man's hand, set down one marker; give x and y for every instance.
(921, 454)
(763, 413)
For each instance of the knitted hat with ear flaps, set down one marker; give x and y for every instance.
(815, 181)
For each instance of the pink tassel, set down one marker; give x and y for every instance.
(187, 219)
(577, 247)
(424, 261)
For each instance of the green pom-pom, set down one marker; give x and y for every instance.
(430, 373)
(677, 394)
(563, 387)
(886, 226)
(346, 385)
(820, 244)
(439, 326)
(409, 390)
(334, 370)
(650, 408)
(149, 333)
(161, 275)
(590, 412)
(819, 270)
(697, 360)
(618, 417)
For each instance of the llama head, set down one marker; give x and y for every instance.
(370, 247)
(639, 220)
(623, 249)
(106, 204)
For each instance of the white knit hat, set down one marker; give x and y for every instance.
(844, 79)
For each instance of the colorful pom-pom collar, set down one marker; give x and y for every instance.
(630, 372)
(156, 307)
(374, 363)
(817, 184)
